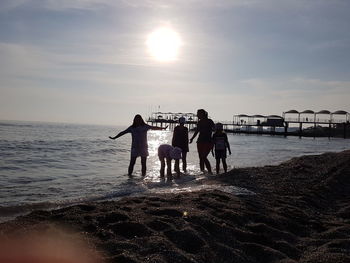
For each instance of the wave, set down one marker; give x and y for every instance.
(109, 150)
(10, 212)
(186, 183)
(7, 211)
(129, 188)
(10, 168)
(7, 124)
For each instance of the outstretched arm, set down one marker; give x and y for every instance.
(173, 139)
(157, 128)
(119, 134)
(194, 136)
(228, 145)
(186, 136)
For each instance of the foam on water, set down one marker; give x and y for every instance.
(133, 187)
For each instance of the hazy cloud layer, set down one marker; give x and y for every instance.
(86, 60)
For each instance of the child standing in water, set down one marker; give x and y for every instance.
(221, 144)
(139, 145)
(166, 153)
(180, 139)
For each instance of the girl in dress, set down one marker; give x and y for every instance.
(139, 145)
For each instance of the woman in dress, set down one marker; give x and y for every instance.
(205, 127)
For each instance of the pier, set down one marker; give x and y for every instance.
(254, 124)
(292, 123)
(305, 123)
(171, 119)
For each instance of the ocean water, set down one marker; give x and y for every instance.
(50, 165)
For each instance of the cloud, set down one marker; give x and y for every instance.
(61, 5)
(301, 93)
(33, 61)
(239, 57)
(296, 83)
(74, 4)
(8, 5)
(19, 60)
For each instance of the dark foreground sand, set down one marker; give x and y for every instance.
(300, 213)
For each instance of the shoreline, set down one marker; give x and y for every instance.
(300, 212)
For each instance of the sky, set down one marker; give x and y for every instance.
(86, 61)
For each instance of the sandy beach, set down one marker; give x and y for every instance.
(299, 212)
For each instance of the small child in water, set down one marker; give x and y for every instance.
(221, 145)
(166, 153)
(180, 139)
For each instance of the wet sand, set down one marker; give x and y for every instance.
(300, 212)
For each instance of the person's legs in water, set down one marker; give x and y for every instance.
(177, 167)
(203, 152)
(162, 166)
(184, 161)
(217, 165)
(206, 150)
(168, 163)
(143, 165)
(201, 163)
(224, 164)
(131, 165)
(200, 155)
(207, 165)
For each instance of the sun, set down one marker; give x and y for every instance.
(163, 44)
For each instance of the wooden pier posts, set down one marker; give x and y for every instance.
(285, 129)
(314, 130)
(300, 129)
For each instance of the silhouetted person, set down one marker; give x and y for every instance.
(221, 146)
(139, 146)
(166, 153)
(205, 128)
(180, 139)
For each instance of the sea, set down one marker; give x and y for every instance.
(53, 165)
